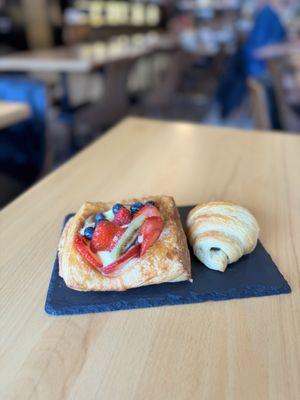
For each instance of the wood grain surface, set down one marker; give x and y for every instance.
(238, 349)
(11, 113)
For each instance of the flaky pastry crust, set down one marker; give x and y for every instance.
(167, 260)
(221, 233)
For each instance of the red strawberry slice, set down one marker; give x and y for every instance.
(81, 246)
(122, 216)
(150, 230)
(116, 238)
(103, 235)
(116, 265)
(148, 211)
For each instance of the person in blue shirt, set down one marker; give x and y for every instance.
(267, 29)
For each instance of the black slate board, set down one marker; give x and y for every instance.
(253, 275)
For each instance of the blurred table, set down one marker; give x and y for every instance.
(116, 57)
(12, 112)
(276, 51)
(283, 61)
(238, 349)
(86, 57)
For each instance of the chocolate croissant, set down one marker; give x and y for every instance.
(221, 233)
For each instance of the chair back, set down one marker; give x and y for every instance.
(22, 146)
(259, 104)
(168, 78)
(280, 70)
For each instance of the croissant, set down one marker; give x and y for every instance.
(221, 233)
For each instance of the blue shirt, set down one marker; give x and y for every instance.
(267, 29)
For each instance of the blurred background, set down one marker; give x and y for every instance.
(71, 69)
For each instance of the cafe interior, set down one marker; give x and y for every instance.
(70, 70)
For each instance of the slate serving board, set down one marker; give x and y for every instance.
(253, 275)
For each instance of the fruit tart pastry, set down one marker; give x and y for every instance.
(118, 246)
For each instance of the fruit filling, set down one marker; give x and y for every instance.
(109, 240)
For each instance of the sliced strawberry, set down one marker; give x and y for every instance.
(150, 231)
(148, 211)
(116, 265)
(82, 247)
(122, 216)
(116, 238)
(103, 235)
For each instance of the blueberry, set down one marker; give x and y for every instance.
(88, 232)
(100, 217)
(116, 207)
(135, 207)
(149, 203)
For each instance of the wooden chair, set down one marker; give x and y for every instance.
(259, 104)
(163, 98)
(279, 69)
(167, 82)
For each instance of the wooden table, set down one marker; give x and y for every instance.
(117, 57)
(238, 349)
(275, 51)
(12, 112)
(284, 52)
(288, 53)
(86, 57)
(283, 62)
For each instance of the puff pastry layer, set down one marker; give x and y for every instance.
(167, 260)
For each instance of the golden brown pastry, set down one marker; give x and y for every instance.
(221, 233)
(166, 260)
